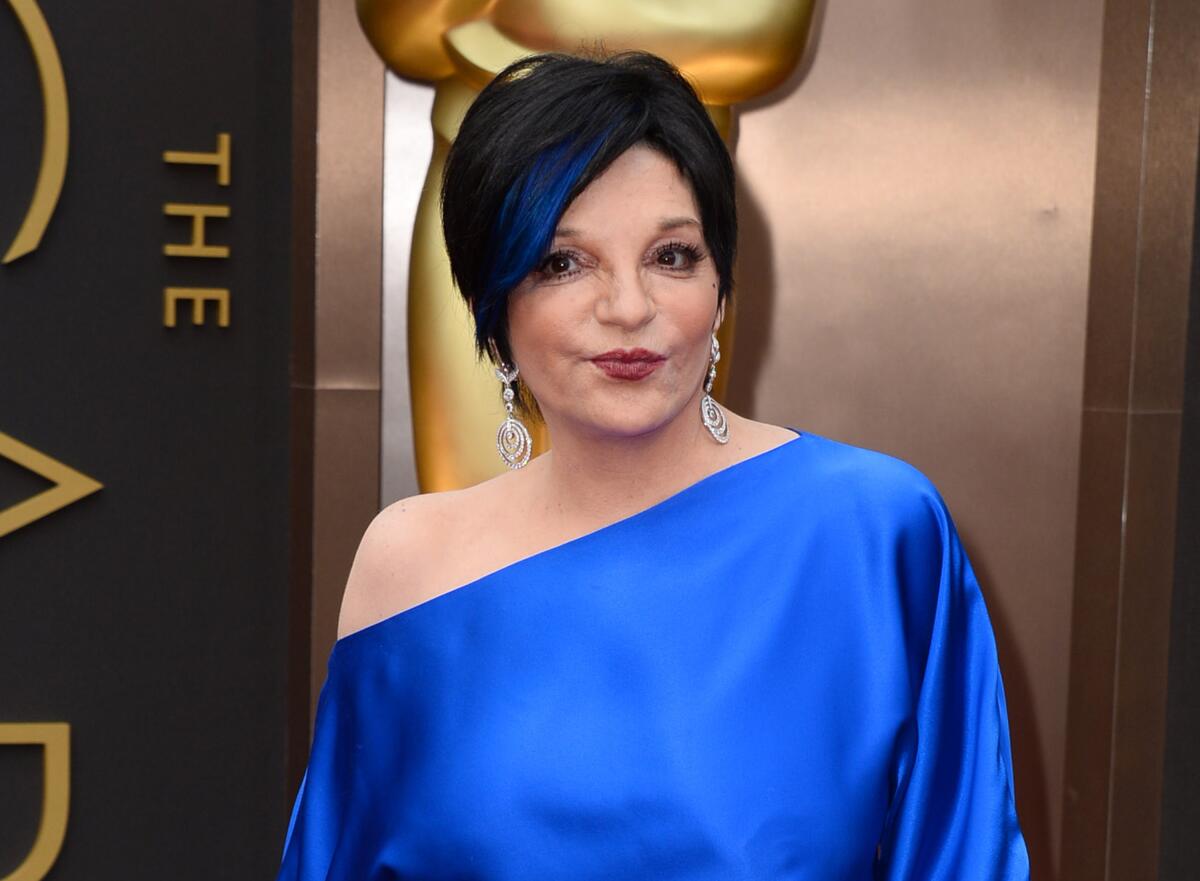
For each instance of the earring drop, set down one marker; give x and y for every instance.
(513, 442)
(711, 414)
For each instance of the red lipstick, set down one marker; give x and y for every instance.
(629, 363)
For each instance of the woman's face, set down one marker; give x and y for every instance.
(612, 331)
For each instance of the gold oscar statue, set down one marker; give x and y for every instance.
(732, 50)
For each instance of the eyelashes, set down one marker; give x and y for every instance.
(546, 269)
(556, 265)
(693, 254)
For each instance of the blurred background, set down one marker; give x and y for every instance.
(969, 239)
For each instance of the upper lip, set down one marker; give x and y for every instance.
(629, 355)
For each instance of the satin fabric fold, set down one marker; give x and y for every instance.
(784, 671)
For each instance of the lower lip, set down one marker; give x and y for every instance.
(628, 369)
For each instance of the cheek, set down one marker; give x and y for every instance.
(540, 328)
(693, 307)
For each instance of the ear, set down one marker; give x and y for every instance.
(719, 317)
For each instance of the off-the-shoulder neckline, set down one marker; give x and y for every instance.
(376, 626)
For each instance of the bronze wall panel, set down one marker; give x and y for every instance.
(1118, 186)
(346, 294)
(1165, 226)
(1094, 640)
(349, 202)
(1143, 639)
(1137, 319)
(346, 491)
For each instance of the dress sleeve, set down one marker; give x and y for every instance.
(319, 814)
(953, 812)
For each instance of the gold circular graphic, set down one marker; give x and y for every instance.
(53, 169)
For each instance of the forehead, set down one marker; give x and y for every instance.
(639, 186)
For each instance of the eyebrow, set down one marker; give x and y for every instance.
(664, 225)
(669, 223)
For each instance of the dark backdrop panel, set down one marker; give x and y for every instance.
(150, 615)
(1181, 772)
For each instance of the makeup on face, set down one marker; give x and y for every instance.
(621, 306)
(629, 364)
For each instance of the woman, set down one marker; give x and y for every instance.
(735, 52)
(682, 643)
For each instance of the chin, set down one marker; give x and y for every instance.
(625, 421)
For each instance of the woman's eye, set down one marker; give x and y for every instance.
(560, 263)
(679, 256)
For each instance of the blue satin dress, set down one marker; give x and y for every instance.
(783, 671)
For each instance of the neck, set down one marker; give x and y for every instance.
(592, 479)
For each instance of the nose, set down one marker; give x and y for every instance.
(625, 301)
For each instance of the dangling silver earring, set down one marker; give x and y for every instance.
(513, 442)
(712, 415)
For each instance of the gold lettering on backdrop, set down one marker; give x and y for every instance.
(198, 296)
(221, 160)
(198, 247)
(53, 169)
(69, 485)
(55, 740)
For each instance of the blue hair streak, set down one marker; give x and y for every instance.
(525, 226)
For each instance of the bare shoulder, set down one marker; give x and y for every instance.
(412, 551)
(392, 560)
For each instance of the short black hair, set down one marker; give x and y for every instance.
(536, 136)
